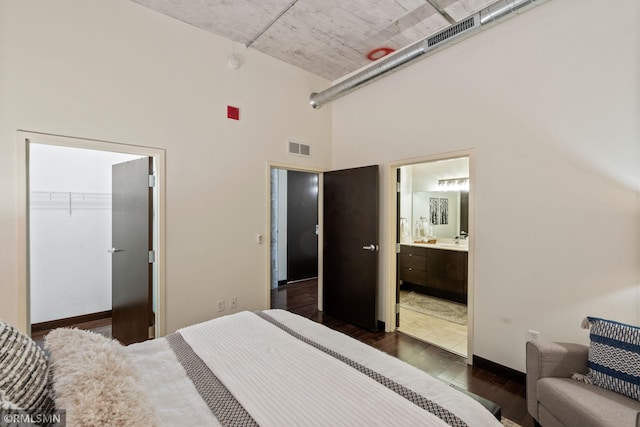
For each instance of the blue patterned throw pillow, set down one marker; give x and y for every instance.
(614, 356)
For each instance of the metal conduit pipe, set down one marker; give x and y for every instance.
(317, 100)
(501, 9)
(486, 16)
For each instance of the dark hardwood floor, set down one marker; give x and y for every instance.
(100, 326)
(302, 298)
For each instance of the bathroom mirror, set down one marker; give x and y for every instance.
(443, 214)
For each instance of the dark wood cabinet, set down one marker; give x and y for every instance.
(413, 264)
(439, 272)
(447, 270)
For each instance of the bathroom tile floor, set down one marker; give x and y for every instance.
(441, 333)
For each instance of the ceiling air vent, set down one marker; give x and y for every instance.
(299, 149)
(454, 30)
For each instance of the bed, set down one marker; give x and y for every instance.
(268, 368)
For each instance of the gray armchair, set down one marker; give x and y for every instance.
(554, 399)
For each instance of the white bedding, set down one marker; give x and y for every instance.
(282, 381)
(173, 395)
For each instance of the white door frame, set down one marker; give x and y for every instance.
(286, 166)
(389, 238)
(24, 139)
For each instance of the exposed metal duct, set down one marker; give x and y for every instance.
(406, 56)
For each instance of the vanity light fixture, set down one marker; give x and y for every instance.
(454, 184)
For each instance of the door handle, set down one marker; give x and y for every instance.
(371, 247)
(114, 250)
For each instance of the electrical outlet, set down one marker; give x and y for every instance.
(220, 305)
(233, 302)
(532, 335)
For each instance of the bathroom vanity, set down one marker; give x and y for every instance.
(438, 269)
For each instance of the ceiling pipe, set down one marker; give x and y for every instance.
(486, 16)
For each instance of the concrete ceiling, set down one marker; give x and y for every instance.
(329, 38)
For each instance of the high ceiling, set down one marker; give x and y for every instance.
(329, 38)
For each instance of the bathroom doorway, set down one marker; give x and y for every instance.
(433, 252)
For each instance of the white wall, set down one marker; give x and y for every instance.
(70, 269)
(549, 101)
(116, 71)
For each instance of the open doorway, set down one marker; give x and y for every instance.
(70, 218)
(433, 256)
(293, 232)
(347, 283)
(73, 205)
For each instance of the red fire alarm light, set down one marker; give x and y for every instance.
(378, 53)
(233, 112)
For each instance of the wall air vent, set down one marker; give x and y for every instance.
(454, 30)
(299, 149)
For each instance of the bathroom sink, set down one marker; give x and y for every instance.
(444, 245)
(451, 245)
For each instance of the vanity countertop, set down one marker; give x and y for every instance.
(440, 245)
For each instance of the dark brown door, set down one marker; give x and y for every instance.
(302, 219)
(132, 239)
(350, 245)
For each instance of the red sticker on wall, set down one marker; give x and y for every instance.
(233, 112)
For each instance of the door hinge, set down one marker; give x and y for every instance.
(398, 189)
(152, 181)
(397, 308)
(152, 257)
(397, 248)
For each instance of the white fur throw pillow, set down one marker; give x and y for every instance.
(94, 381)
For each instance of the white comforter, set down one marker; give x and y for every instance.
(282, 381)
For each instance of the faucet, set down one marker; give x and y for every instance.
(463, 235)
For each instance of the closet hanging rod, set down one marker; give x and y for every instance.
(67, 199)
(69, 193)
